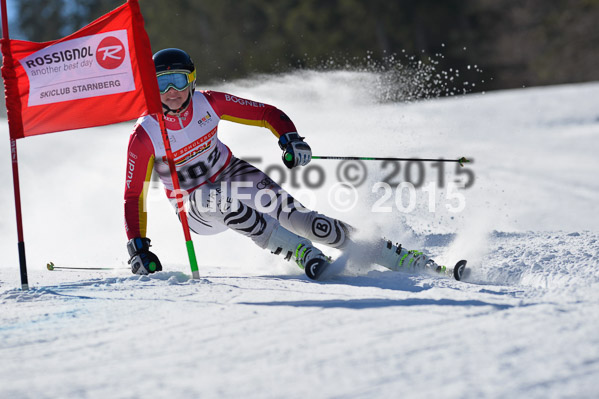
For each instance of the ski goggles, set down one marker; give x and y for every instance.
(176, 79)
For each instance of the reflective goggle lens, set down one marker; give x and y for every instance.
(177, 80)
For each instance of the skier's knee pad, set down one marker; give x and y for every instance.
(324, 229)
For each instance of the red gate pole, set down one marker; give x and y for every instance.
(193, 263)
(15, 178)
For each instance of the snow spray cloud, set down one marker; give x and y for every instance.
(407, 77)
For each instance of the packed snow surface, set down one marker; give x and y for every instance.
(524, 213)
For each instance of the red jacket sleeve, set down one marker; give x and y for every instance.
(240, 110)
(140, 162)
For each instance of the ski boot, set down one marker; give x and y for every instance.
(307, 256)
(311, 259)
(396, 258)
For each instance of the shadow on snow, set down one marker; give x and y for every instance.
(370, 303)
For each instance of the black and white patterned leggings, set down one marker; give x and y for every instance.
(246, 200)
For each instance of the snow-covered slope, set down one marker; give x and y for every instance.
(524, 325)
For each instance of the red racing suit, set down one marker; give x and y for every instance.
(199, 155)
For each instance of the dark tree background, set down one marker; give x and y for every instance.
(499, 44)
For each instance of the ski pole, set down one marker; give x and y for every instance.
(51, 266)
(461, 160)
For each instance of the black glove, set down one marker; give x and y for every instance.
(295, 150)
(142, 260)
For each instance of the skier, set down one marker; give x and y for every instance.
(209, 173)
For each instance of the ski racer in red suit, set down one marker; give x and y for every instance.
(209, 174)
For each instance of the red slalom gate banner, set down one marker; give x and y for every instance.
(99, 75)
